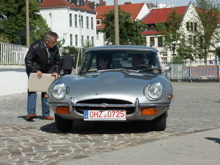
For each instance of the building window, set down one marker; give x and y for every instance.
(70, 1)
(80, 2)
(87, 22)
(76, 40)
(88, 39)
(151, 27)
(187, 25)
(81, 21)
(41, 1)
(75, 20)
(190, 40)
(70, 17)
(91, 22)
(151, 41)
(160, 42)
(92, 41)
(82, 40)
(97, 35)
(194, 41)
(191, 26)
(71, 40)
(98, 22)
(195, 27)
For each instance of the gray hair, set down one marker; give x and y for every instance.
(67, 51)
(49, 35)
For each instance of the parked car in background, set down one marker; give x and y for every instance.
(115, 83)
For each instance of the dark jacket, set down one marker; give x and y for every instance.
(68, 62)
(37, 58)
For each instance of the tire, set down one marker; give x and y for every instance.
(159, 124)
(63, 125)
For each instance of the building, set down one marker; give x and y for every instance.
(74, 22)
(138, 12)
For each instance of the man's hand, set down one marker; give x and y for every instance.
(56, 75)
(39, 74)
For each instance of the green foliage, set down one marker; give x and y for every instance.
(13, 15)
(208, 11)
(218, 51)
(39, 28)
(185, 53)
(130, 31)
(170, 29)
(4, 39)
(177, 59)
(73, 50)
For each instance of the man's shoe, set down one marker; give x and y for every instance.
(31, 116)
(48, 118)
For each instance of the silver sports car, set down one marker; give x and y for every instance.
(114, 83)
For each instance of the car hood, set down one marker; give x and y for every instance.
(109, 84)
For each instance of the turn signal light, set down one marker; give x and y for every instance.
(62, 110)
(45, 95)
(149, 111)
(170, 96)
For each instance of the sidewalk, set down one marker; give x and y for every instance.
(201, 148)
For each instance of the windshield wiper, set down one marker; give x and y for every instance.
(146, 69)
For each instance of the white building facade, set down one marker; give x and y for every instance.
(74, 26)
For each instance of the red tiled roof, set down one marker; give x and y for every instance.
(134, 9)
(150, 32)
(160, 15)
(62, 3)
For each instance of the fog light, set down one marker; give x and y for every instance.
(149, 111)
(62, 110)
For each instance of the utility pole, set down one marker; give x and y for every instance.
(116, 23)
(27, 24)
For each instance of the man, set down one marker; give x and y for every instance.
(67, 63)
(42, 57)
(138, 62)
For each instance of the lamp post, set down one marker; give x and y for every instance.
(27, 24)
(116, 22)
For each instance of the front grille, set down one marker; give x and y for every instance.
(100, 101)
(80, 109)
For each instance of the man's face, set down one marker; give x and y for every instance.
(51, 43)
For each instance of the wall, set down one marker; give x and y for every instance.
(14, 80)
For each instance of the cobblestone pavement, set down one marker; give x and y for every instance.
(195, 107)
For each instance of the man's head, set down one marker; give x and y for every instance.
(50, 39)
(67, 51)
(104, 62)
(137, 60)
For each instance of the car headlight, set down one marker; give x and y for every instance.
(154, 91)
(59, 91)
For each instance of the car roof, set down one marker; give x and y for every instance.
(122, 47)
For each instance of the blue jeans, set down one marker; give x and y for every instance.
(31, 103)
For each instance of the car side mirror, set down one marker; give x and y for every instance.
(167, 69)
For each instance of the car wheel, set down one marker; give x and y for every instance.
(159, 124)
(63, 125)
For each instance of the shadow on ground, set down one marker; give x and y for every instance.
(81, 127)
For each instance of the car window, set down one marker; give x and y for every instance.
(126, 59)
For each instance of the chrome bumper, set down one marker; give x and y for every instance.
(136, 115)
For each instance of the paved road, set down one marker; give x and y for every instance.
(195, 107)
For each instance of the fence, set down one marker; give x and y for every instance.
(11, 54)
(194, 71)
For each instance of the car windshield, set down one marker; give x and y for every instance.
(139, 61)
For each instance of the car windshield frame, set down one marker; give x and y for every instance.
(120, 60)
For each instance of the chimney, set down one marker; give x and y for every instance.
(86, 2)
(127, 3)
(102, 3)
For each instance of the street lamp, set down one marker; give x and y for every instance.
(172, 44)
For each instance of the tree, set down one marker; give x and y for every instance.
(13, 18)
(130, 31)
(170, 30)
(39, 28)
(3, 39)
(207, 33)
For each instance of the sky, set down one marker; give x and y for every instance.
(167, 2)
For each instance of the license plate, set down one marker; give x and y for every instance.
(104, 115)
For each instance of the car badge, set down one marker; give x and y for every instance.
(104, 105)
